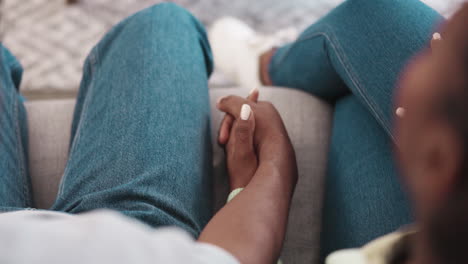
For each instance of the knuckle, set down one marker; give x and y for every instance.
(270, 104)
(223, 100)
(267, 104)
(231, 98)
(229, 101)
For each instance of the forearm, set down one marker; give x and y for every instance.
(252, 226)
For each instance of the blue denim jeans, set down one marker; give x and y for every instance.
(15, 184)
(140, 140)
(353, 57)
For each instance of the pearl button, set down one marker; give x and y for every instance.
(400, 112)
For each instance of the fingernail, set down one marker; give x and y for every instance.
(245, 112)
(436, 36)
(253, 90)
(400, 112)
(219, 101)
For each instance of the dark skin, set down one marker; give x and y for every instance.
(429, 150)
(261, 159)
(242, 160)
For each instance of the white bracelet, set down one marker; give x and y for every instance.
(234, 193)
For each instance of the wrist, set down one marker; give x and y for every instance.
(282, 173)
(240, 178)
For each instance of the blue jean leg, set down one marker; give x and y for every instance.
(353, 56)
(360, 47)
(15, 184)
(364, 198)
(140, 135)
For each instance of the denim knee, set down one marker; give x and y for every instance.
(158, 29)
(158, 23)
(169, 14)
(386, 6)
(168, 7)
(174, 22)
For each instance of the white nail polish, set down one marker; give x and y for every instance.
(245, 112)
(400, 112)
(436, 36)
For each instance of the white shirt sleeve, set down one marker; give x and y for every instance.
(98, 237)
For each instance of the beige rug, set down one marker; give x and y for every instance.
(52, 39)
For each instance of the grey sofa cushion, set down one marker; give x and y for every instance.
(49, 124)
(306, 118)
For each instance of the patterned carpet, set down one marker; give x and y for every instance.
(51, 39)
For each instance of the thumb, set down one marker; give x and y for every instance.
(241, 156)
(243, 132)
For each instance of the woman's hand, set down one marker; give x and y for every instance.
(240, 152)
(271, 142)
(237, 136)
(228, 120)
(252, 226)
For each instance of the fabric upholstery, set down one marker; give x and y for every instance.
(49, 124)
(307, 119)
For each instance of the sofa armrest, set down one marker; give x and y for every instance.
(307, 119)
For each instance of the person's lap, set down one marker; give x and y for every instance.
(140, 140)
(359, 47)
(140, 134)
(364, 198)
(15, 187)
(353, 57)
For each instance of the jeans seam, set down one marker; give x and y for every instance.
(348, 68)
(93, 57)
(351, 73)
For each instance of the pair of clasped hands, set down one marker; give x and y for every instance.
(260, 161)
(253, 132)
